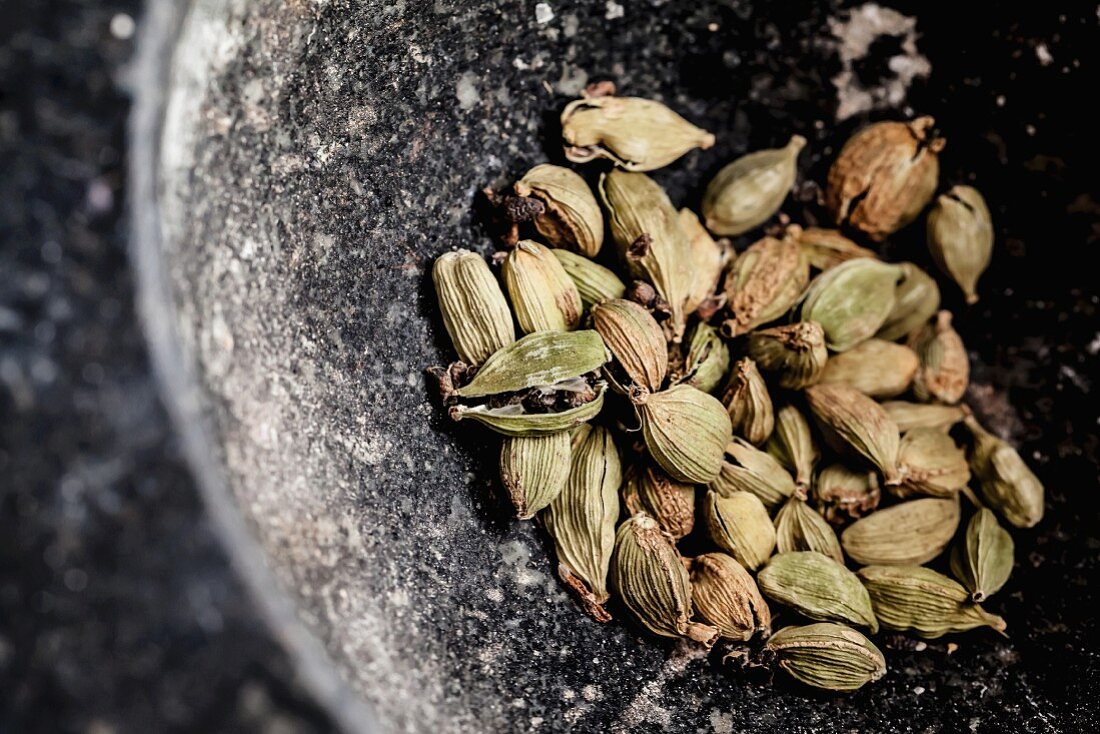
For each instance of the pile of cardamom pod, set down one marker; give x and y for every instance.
(794, 410)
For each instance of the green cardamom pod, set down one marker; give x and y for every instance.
(931, 464)
(920, 415)
(916, 300)
(827, 248)
(648, 574)
(534, 469)
(960, 237)
(709, 260)
(514, 420)
(726, 596)
(537, 360)
(571, 217)
(827, 655)
(884, 176)
(636, 341)
(636, 134)
(685, 430)
(749, 191)
(944, 372)
(707, 359)
(877, 368)
(920, 599)
(672, 504)
(594, 282)
(982, 559)
(851, 301)
(746, 468)
(748, 403)
(911, 533)
(818, 588)
(1006, 482)
(739, 524)
(799, 528)
(794, 354)
(763, 283)
(542, 293)
(651, 243)
(792, 444)
(581, 520)
(851, 421)
(475, 313)
(844, 494)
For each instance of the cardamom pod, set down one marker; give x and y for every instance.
(931, 464)
(763, 283)
(542, 293)
(920, 415)
(635, 340)
(827, 655)
(748, 469)
(1006, 482)
(649, 238)
(852, 421)
(911, 533)
(799, 528)
(960, 237)
(748, 403)
(581, 520)
(944, 372)
(534, 469)
(514, 420)
(749, 191)
(792, 444)
(475, 313)
(844, 494)
(920, 599)
(648, 574)
(794, 354)
(827, 248)
(707, 358)
(817, 587)
(636, 134)
(982, 559)
(738, 523)
(916, 300)
(672, 504)
(537, 360)
(685, 430)
(709, 260)
(725, 595)
(877, 368)
(571, 217)
(884, 176)
(851, 301)
(594, 282)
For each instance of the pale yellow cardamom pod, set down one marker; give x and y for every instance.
(739, 524)
(748, 469)
(793, 355)
(853, 422)
(709, 259)
(594, 282)
(685, 431)
(793, 445)
(571, 217)
(911, 533)
(748, 402)
(877, 368)
(827, 248)
(475, 313)
(922, 415)
(533, 470)
(750, 190)
(960, 237)
(543, 295)
(798, 527)
(931, 464)
(636, 341)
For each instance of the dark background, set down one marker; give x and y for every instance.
(118, 609)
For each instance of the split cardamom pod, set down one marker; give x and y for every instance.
(851, 301)
(921, 415)
(827, 655)
(960, 237)
(1006, 482)
(763, 283)
(581, 520)
(726, 596)
(746, 468)
(749, 191)
(708, 260)
(594, 282)
(982, 559)
(685, 430)
(739, 524)
(707, 358)
(475, 313)
(924, 601)
(672, 504)
(537, 360)
(513, 419)
(534, 469)
(827, 248)
(818, 588)
(852, 421)
(571, 217)
(944, 372)
(635, 340)
(884, 176)
(636, 134)
(877, 368)
(911, 533)
(794, 354)
(799, 528)
(792, 444)
(543, 295)
(649, 576)
(843, 494)
(916, 300)
(931, 464)
(748, 403)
